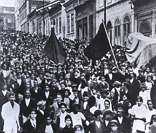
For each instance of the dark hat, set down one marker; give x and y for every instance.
(68, 117)
(63, 104)
(97, 113)
(85, 94)
(116, 83)
(107, 112)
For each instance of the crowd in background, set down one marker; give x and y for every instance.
(79, 96)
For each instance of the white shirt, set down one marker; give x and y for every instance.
(19, 81)
(47, 94)
(110, 76)
(149, 114)
(139, 112)
(100, 103)
(27, 101)
(48, 129)
(62, 119)
(93, 109)
(98, 124)
(145, 95)
(33, 123)
(120, 119)
(106, 122)
(77, 118)
(85, 105)
(4, 92)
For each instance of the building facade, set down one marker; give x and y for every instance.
(7, 18)
(86, 19)
(145, 14)
(70, 19)
(120, 20)
(29, 19)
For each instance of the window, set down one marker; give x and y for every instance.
(146, 27)
(33, 26)
(91, 27)
(60, 26)
(117, 32)
(109, 30)
(68, 24)
(72, 23)
(126, 27)
(56, 26)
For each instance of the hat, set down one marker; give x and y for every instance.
(63, 104)
(116, 83)
(41, 103)
(107, 112)
(97, 113)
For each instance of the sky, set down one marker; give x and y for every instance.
(11, 3)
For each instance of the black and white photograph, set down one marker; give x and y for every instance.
(77, 66)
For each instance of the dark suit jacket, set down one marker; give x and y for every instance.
(68, 130)
(26, 110)
(94, 129)
(126, 125)
(28, 128)
(133, 90)
(106, 127)
(3, 99)
(42, 96)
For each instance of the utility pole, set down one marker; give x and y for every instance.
(105, 12)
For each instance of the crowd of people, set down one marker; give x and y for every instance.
(79, 96)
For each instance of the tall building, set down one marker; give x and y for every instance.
(26, 9)
(120, 20)
(145, 14)
(7, 18)
(86, 19)
(70, 19)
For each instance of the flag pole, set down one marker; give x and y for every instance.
(111, 48)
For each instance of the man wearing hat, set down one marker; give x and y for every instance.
(124, 122)
(107, 117)
(114, 127)
(10, 114)
(97, 126)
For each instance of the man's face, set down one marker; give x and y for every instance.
(150, 105)
(59, 98)
(12, 98)
(120, 111)
(63, 108)
(107, 104)
(85, 98)
(75, 94)
(27, 94)
(33, 115)
(139, 102)
(47, 88)
(108, 117)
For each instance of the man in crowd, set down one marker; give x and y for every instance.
(10, 114)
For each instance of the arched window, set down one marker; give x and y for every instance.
(117, 36)
(126, 27)
(109, 30)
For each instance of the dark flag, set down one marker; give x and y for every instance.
(99, 46)
(54, 49)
